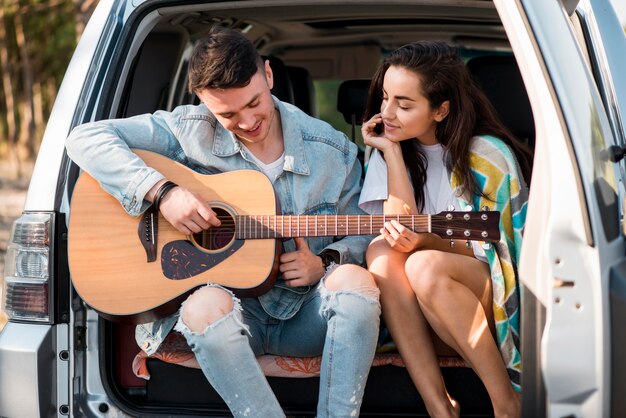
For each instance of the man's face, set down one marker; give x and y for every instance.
(245, 111)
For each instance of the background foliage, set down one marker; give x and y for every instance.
(37, 39)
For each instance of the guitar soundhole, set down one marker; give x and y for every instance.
(216, 238)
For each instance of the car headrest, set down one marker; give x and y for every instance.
(351, 100)
(282, 89)
(303, 89)
(500, 79)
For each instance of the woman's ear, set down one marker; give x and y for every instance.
(442, 111)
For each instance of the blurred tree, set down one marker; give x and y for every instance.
(37, 39)
(10, 139)
(83, 10)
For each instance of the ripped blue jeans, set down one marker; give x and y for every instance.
(342, 326)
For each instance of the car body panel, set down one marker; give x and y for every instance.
(567, 257)
(28, 361)
(577, 89)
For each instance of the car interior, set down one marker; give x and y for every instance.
(323, 57)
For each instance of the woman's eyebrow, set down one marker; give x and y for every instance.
(399, 97)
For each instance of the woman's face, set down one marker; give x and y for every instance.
(405, 111)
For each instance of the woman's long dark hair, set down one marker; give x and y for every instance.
(443, 76)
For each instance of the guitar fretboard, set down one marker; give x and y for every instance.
(288, 226)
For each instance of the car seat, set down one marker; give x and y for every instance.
(303, 89)
(351, 101)
(500, 79)
(282, 88)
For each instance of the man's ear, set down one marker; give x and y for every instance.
(269, 75)
(442, 112)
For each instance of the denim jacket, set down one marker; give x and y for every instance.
(321, 176)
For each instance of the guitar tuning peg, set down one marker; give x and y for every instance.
(468, 208)
(451, 208)
(486, 208)
(486, 246)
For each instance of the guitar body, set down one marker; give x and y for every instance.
(140, 269)
(108, 261)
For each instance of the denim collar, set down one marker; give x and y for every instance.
(226, 144)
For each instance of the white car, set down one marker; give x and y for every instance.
(556, 71)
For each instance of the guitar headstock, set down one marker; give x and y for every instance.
(476, 226)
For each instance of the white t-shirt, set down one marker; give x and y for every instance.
(271, 170)
(438, 195)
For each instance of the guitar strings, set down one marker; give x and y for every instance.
(313, 225)
(249, 222)
(268, 232)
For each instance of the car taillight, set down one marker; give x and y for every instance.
(28, 267)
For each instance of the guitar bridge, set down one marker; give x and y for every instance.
(148, 231)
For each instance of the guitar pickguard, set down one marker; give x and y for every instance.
(181, 259)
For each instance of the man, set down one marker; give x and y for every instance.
(323, 303)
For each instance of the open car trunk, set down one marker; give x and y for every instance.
(322, 58)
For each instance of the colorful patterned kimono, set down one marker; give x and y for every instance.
(497, 173)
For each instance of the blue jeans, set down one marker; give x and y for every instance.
(342, 326)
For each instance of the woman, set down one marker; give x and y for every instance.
(438, 143)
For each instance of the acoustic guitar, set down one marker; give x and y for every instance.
(139, 269)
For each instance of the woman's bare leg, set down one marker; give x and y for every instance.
(455, 296)
(409, 329)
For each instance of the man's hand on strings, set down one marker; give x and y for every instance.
(187, 211)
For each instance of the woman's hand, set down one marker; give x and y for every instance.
(401, 238)
(376, 140)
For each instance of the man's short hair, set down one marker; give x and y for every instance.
(223, 59)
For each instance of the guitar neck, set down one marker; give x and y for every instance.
(289, 226)
(481, 226)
